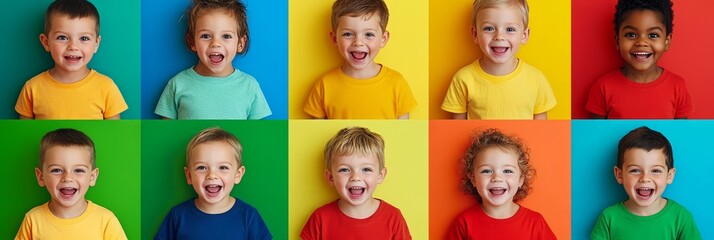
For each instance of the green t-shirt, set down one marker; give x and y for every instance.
(672, 222)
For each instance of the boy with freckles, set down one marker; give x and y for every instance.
(645, 166)
(67, 169)
(213, 165)
(355, 166)
(360, 88)
(70, 90)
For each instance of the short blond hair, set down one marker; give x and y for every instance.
(366, 8)
(67, 137)
(355, 141)
(484, 4)
(215, 134)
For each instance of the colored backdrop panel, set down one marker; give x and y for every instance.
(164, 52)
(117, 157)
(312, 53)
(451, 48)
(404, 187)
(595, 154)
(595, 53)
(24, 57)
(549, 142)
(264, 185)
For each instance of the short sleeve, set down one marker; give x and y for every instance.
(114, 101)
(401, 229)
(167, 102)
(315, 105)
(257, 228)
(457, 231)
(689, 228)
(544, 231)
(114, 230)
(24, 105)
(25, 231)
(259, 108)
(168, 228)
(596, 100)
(685, 107)
(546, 98)
(456, 100)
(311, 230)
(405, 98)
(601, 230)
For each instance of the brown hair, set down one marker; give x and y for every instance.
(72, 9)
(365, 8)
(490, 138)
(67, 137)
(234, 7)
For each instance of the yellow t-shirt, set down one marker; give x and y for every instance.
(95, 223)
(517, 95)
(94, 97)
(338, 96)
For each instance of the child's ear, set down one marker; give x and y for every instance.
(45, 42)
(474, 34)
(241, 44)
(38, 174)
(188, 175)
(333, 38)
(526, 35)
(239, 174)
(93, 177)
(382, 175)
(189, 42)
(329, 178)
(667, 41)
(618, 174)
(670, 175)
(385, 38)
(99, 39)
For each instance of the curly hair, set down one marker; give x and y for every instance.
(490, 138)
(234, 7)
(663, 7)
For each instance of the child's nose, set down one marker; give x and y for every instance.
(358, 42)
(215, 43)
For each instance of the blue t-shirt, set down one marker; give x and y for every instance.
(186, 221)
(188, 95)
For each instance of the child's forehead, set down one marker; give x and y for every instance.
(60, 154)
(367, 17)
(638, 156)
(642, 14)
(497, 154)
(501, 12)
(356, 158)
(64, 19)
(213, 150)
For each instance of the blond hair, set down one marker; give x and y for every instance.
(484, 4)
(67, 137)
(215, 134)
(355, 141)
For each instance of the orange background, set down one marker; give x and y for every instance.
(549, 142)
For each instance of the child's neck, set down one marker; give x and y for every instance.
(68, 212)
(498, 69)
(368, 72)
(504, 211)
(68, 77)
(215, 208)
(360, 211)
(646, 76)
(650, 210)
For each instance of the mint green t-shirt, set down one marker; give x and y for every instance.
(189, 95)
(672, 222)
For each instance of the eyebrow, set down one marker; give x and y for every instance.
(649, 29)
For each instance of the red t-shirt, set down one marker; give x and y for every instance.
(475, 224)
(328, 222)
(614, 96)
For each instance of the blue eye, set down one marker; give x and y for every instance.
(366, 169)
(489, 29)
(62, 38)
(342, 170)
(347, 34)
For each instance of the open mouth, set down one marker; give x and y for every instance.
(499, 50)
(641, 55)
(645, 192)
(212, 190)
(216, 57)
(67, 192)
(497, 191)
(356, 192)
(358, 55)
(72, 58)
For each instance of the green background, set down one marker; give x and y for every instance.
(264, 185)
(119, 54)
(117, 145)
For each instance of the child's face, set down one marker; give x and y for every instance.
(213, 170)
(67, 174)
(496, 176)
(499, 32)
(359, 40)
(216, 43)
(644, 175)
(642, 39)
(71, 42)
(355, 178)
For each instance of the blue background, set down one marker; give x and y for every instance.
(594, 149)
(164, 52)
(23, 56)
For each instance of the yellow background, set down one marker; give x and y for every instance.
(311, 53)
(406, 159)
(451, 48)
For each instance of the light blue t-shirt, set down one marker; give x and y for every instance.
(189, 95)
